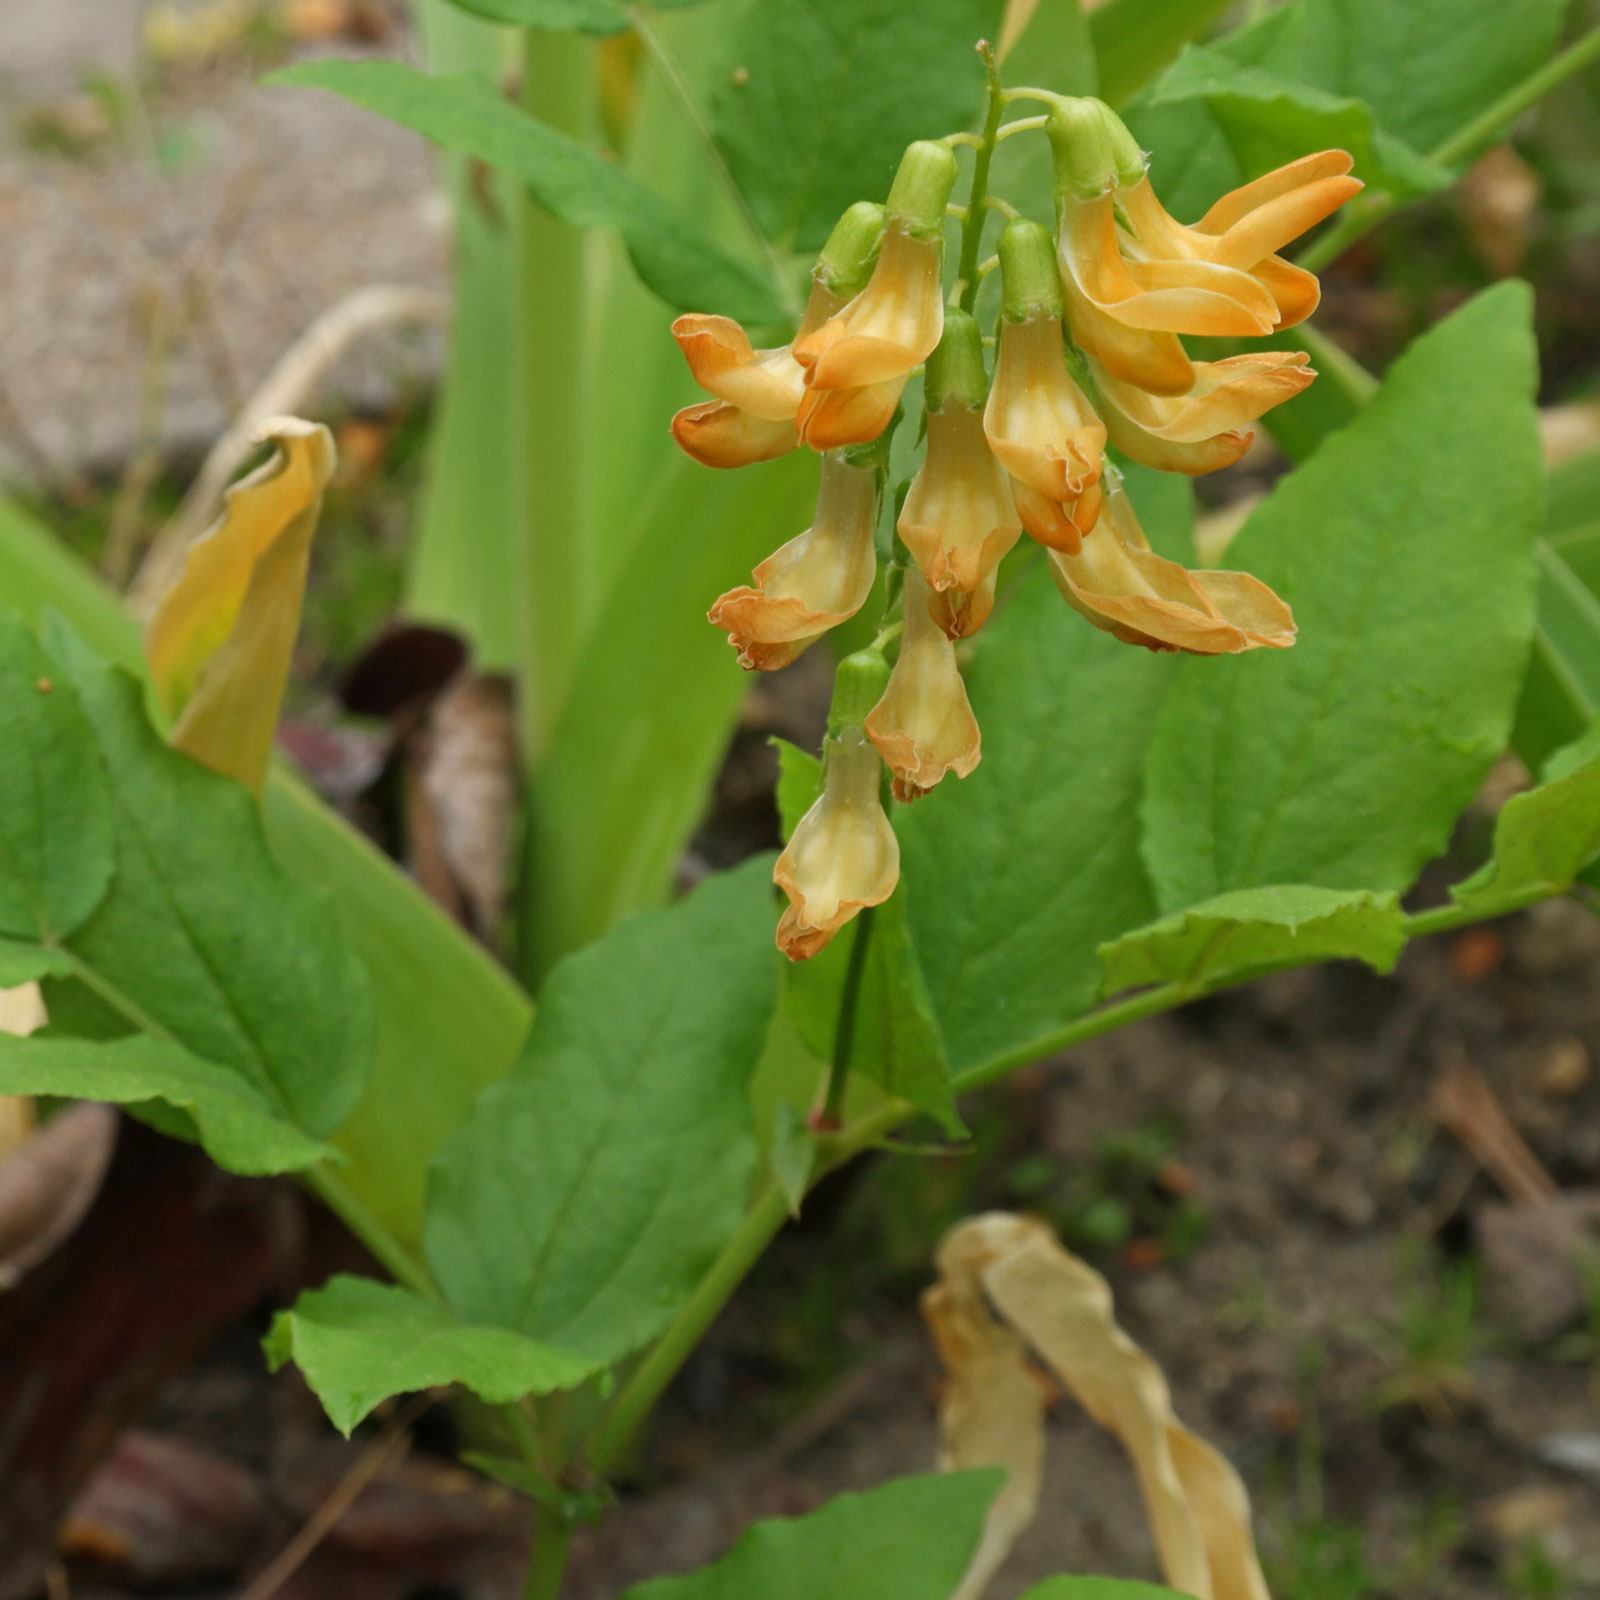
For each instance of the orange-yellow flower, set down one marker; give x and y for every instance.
(843, 855)
(1124, 588)
(958, 519)
(923, 726)
(758, 392)
(857, 361)
(1135, 279)
(1038, 422)
(814, 582)
(1204, 429)
(959, 613)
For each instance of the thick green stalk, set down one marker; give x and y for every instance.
(1470, 140)
(550, 319)
(547, 1561)
(977, 200)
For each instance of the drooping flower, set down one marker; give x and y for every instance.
(1038, 422)
(958, 519)
(843, 855)
(1125, 589)
(758, 392)
(1202, 430)
(858, 361)
(959, 613)
(1135, 279)
(923, 726)
(814, 582)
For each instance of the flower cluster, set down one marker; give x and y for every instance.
(1088, 352)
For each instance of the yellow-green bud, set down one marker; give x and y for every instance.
(955, 373)
(921, 188)
(1093, 149)
(1032, 284)
(851, 252)
(858, 685)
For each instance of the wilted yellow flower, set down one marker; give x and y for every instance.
(843, 855)
(1125, 589)
(958, 519)
(814, 582)
(1038, 421)
(923, 726)
(219, 640)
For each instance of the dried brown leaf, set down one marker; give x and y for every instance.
(1061, 1309)
(49, 1183)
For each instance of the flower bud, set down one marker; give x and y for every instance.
(1093, 150)
(814, 582)
(843, 855)
(921, 188)
(847, 259)
(923, 726)
(958, 519)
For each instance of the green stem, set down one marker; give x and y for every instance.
(1466, 142)
(844, 1028)
(672, 1349)
(547, 1561)
(977, 211)
(682, 92)
(1333, 361)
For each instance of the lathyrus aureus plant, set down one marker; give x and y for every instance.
(1178, 784)
(1088, 350)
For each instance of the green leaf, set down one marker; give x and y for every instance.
(909, 1540)
(358, 1342)
(57, 850)
(1135, 39)
(440, 996)
(895, 1039)
(238, 1127)
(203, 937)
(799, 784)
(1090, 1588)
(587, 1192)
(1543, 838)
(1266, 121)
(584, 16)
(1423, 68)
(1284, 925)
(571, 180)
(791, 1153)
(25, 963)
(1016, 875)
(826, 94)
(1561, 693)
(1345, 761)
(653, 701)
(465, 538)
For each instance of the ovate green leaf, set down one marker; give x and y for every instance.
(1286, 924)
(57, 850)
(909, 1540)
(588, 1191)
(822, 97)
(24, 963)
(358, 1342)
(1135, 39)
(569, 179)
(239, 1128)
(1091, 1588)
(1544, 838)
(203, 937)
(1017, 874)
(1345, 760)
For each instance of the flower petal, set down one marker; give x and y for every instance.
(1239, 203)
(1268, 228)
(958, 519)
(1226, 395)
(830, 419)
(1037, 420)
(719, 435)
(1154, 361)
(1295, 291)
(766, 383)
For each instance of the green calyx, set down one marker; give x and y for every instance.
(1093, 149)
(921, 188)
(955, 372)
(858, 685)
(1032, 284)
(851, 252)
